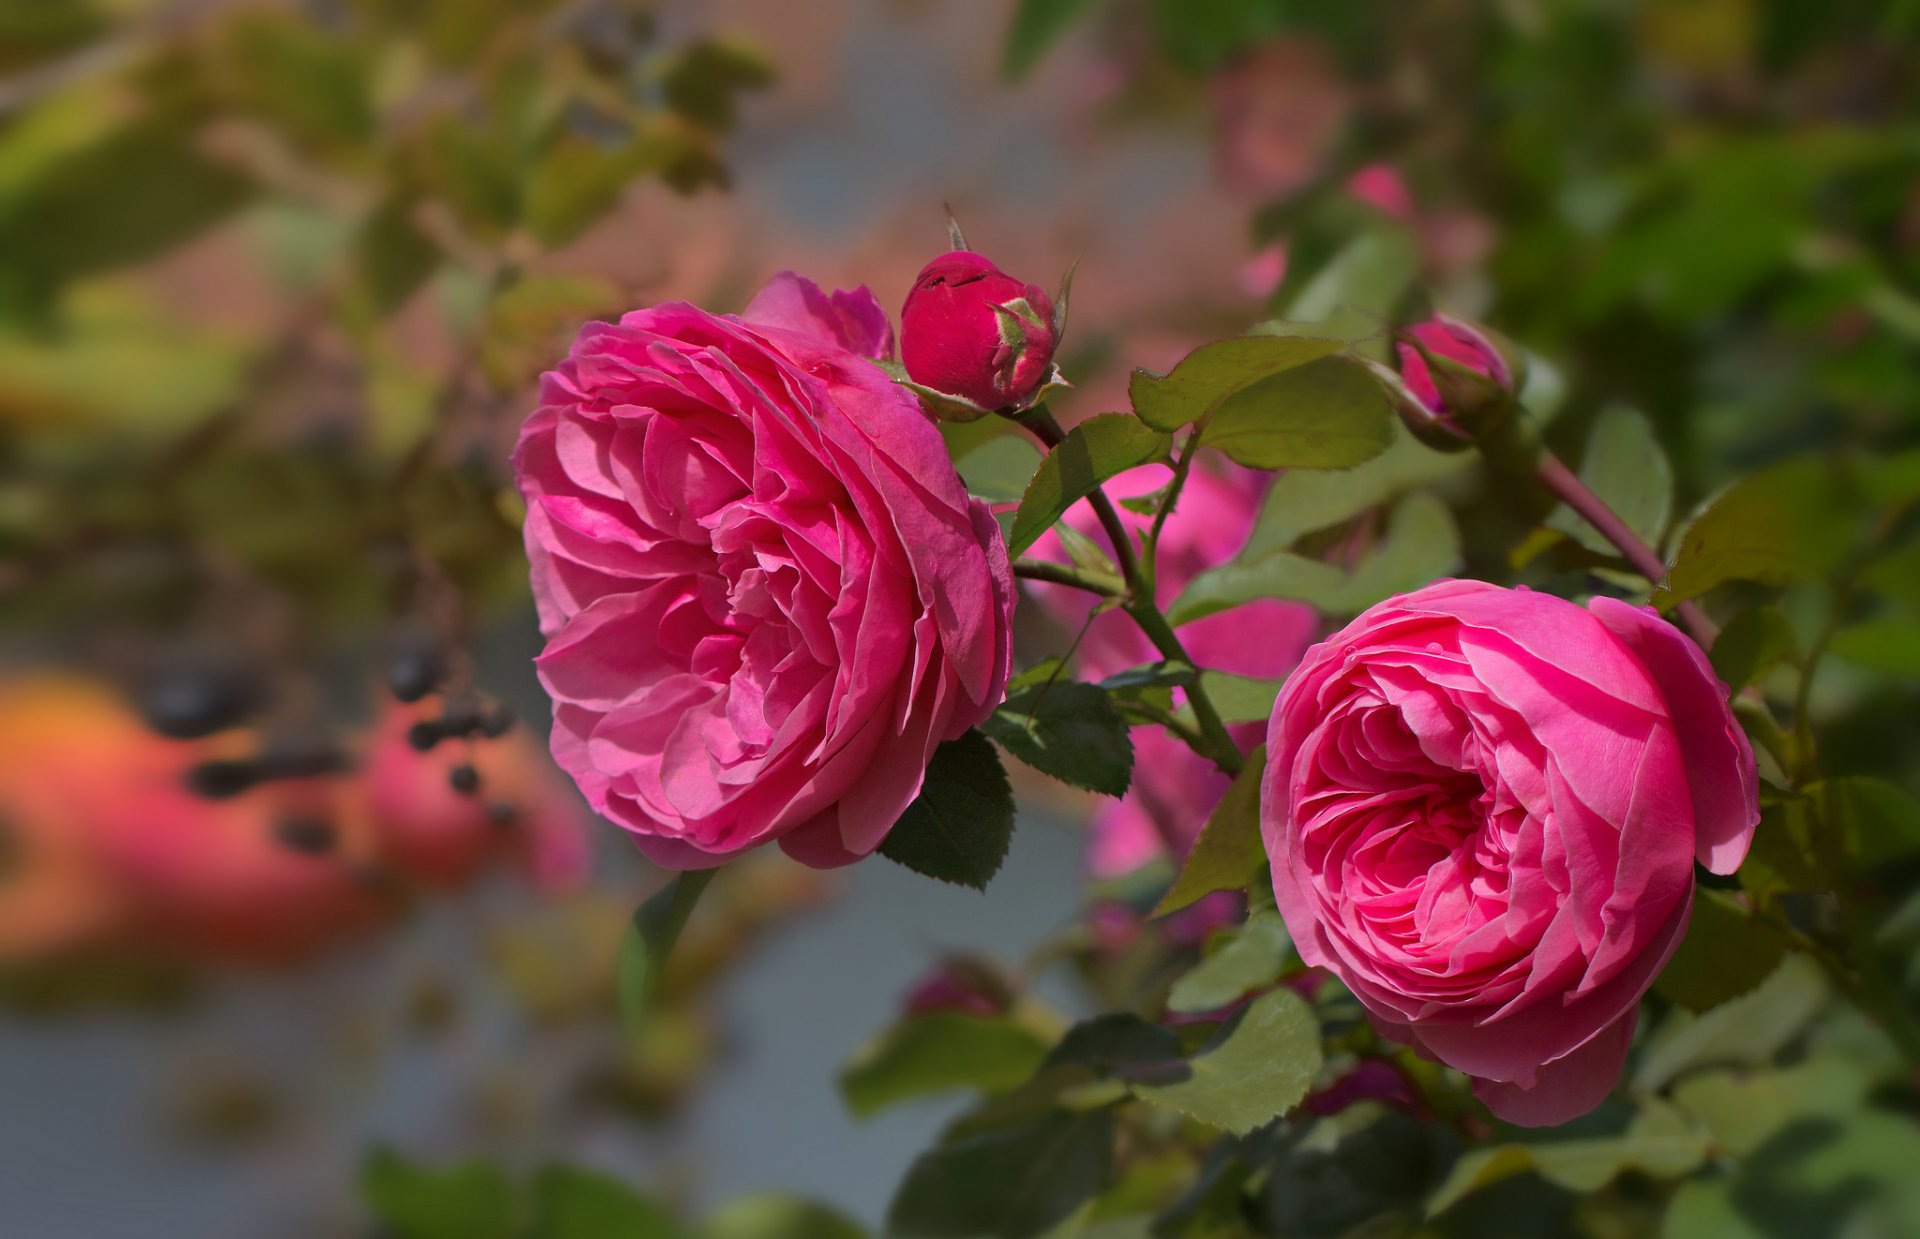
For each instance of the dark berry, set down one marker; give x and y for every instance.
(220, 780)
(422, 736)
(310, 835)
(464, 779)
(412, 676)
(414, 666)
(187, 703)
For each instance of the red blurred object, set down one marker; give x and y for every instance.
(432, 834)
(113, 849)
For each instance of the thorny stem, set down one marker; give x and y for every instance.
(1565, 485)
(1216, 743)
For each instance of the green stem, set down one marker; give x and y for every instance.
(1138, 601)
(1094, 582)
(1150, 547)
(1220, 748)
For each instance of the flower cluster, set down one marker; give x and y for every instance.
(768, 599)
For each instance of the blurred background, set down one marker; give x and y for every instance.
(285, 873)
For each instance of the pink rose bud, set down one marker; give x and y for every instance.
(958, 983)
(1457, 381)
(972, 331)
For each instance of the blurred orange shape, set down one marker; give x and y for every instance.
(431, 833)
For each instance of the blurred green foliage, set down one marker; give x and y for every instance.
(370, 161)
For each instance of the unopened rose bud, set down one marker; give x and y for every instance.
(970, 330)
(961, 984)
(1459, 377)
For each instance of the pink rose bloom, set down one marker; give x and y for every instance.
(1381, 187)
(1174, 789)
(767, 596)
(1483, 808)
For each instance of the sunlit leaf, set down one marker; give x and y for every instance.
(1251, 959)
(1213, 373)
(1229, 853)
(1659, 1142)
(1257, 1068)
(1092, 452)
(1420, 544)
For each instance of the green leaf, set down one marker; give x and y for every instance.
(1114, 1041)
(702, 81)
(649, 940)
(1623, 465)
(1071, 731)
(1256, 1068)
(1659, 1142)
(959, 827)
(1198, 38)
(142, 190)
(1742, 1109)
(1328, 414)
(1228, 855)
(1748, 1030)
(1726, 953)
(572, 1203)
(532, 322)
(1037, 24)
(1015, 1182)
(1704, 1209)
(1781, 858)
(775, 1215)
(1878, 822)
(1752, 645)
(1420, 543)
(1241, 698)
(1889, 646)
(1000, 469)
(578, 181)
(1213, 373)
(393, 257)
(1785, 524)
(936, 1053)
(1302, 501)
(1092, 452)
(1251, 959)
(469, 1201)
